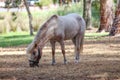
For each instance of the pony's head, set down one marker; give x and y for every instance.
(43, 35)
(34, 55)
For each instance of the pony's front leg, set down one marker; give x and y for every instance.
(53, 51)
(63, 51)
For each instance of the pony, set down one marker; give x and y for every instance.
(57, 29)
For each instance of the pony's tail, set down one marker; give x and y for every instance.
(81, 43)
(82, 25)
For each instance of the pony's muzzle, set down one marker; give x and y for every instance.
(33, 63)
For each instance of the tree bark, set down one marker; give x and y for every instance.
(60, 2)
(30, 17)
(87, 13)
(116, 22)
(106, 15)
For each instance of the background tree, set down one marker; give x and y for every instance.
(54, 2)
(62, 2)
(30, 17)
(106, 15)
(87, 13)
(12, 3)
(7, 4)
(75, 1)
(116, 22)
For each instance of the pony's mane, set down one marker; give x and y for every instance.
(44, 25)
(37, 37)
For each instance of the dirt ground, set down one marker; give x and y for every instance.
(100, 60)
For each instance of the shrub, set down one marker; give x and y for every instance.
(42, 3)
(36, 23)
(2, 26)
(73, 8)
(45, 2)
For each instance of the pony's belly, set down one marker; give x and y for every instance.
(70, 35)
(64, 36)
(71, 31)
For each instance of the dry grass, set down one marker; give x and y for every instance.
(19, 22)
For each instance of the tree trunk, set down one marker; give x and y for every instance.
(106, 15)
(7, 4)
(116, 22)
(30, 17)
(87, 13)
(60, 2)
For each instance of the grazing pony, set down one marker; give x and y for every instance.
(58, 29)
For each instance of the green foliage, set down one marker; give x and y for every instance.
(7, 3)
(115, 1)
(96, 5)
(38, 4)
(14, 3)
(42, 3)
(96, 13)
(55, 1)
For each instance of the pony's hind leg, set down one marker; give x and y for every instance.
(63, 51)
(76, 42)
(53, 51)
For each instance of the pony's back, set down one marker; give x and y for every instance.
(80, 20)
(70, 25)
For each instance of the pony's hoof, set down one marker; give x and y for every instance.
(65, 62)
(76, 61)
(53, 64)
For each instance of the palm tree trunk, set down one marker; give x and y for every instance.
(116, 22)
(106, 15)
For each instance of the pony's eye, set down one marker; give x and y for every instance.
(34, 53)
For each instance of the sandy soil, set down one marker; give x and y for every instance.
(100, 60)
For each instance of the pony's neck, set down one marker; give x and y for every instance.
(46, 32)
(41, 39)
(43, 42)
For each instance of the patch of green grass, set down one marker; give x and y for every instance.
(95, 35)
(15, 39)
(23, 38)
